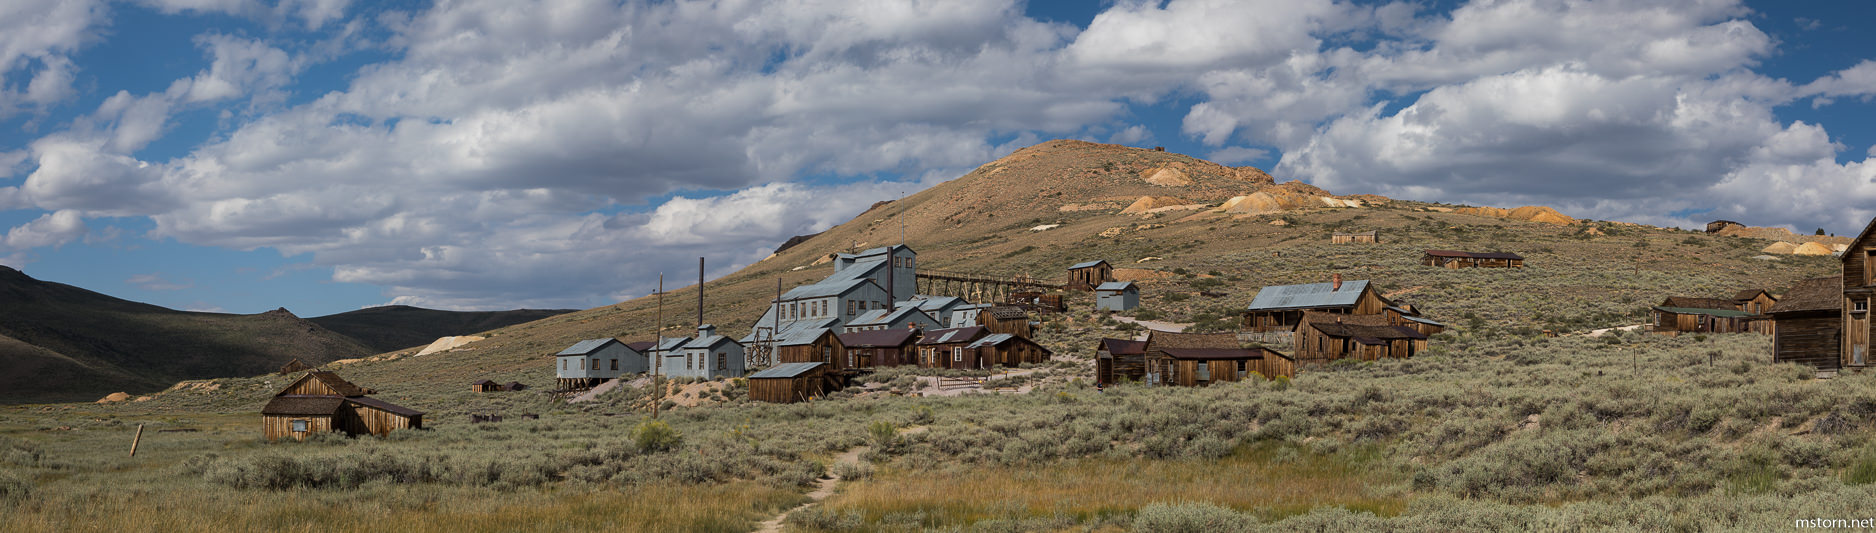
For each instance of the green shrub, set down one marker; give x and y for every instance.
(1190, 517)
(851, 471)
(656, 436)
(13, 487)
(883, 434)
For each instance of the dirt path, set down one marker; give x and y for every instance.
(1600, 332)
(1175, 327)
(934, 386)
(825, 487)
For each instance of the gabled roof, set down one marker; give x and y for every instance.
(1859, 240)
(483, 382)
(825, 288)
(935, 303)
(1749, 294)
(1474, 255)
(1115, 286)
(708, 342)
(1124, 346)
(640, 346)
(303, 405)
(385, 406)
(344, 388)
(1699, 303)
(942, 336)
(877, 338)
(1373, 327)
(1086, 264)
(795, 328)
(587, 347)
(1308, 295)
(786, 370)
(669, 344)
(798, 337)
(1008, 312)
(991, 340)
(1815, 294)
(1722, 313)
(888, 316)
(1212, 354)
(1160, 340)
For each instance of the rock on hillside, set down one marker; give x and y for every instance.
(1533, 213)
(1779, 234)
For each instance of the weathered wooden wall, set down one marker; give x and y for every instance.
(276, 427)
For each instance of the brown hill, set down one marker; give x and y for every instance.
(1533, 213)
(1779, 234)
(393, 327)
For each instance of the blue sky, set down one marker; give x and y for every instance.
(328, 155)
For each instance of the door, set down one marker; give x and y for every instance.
(1104, 371)
(1859, 338)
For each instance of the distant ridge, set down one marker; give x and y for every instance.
(395, 327)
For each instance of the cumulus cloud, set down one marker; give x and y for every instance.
(37, 40)
(50, 229)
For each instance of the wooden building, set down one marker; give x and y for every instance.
(1200, 359)
(1087, 276)
(1859, 293)
(1758, 304)
(905, 314)
(1117, 296)
(1038, 301)
(1281, 307)
(1366, 237)
(294, 366)
(1455, 259)
(1008, 350)
(791, 382)
(1324, 337)
(885, 347)
(484, 386)
(818, 345)
(322, 401)
(1808, 325)
(1673, 321)
(1119, 359)
(947, 348)
(1409, 316)
(1006, 319)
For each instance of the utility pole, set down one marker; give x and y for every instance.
(657, 345)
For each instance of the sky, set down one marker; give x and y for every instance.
(329, 155)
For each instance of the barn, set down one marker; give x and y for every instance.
(1008, 350)
(1324, 337)
(1119, 359)
(1807, 326)
(1200, 359)
(884, 347)
(1117, 296)
(945, 348)
(790, 382)
(322, 401)
(1456, 259)
(1281, 307)
(1086, 276)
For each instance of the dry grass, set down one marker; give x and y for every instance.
(1271, 482)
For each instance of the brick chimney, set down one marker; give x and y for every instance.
(1335, 284)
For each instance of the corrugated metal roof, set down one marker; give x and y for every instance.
(992, 340)
(786, 370)
(876, 338)
(1114, 286)
(667, 344)
(938, 302)
(1722, 313)
(1308, 295)
(795, 327)
(825, 288)
(1085, 264)
(586, 346)
(707, 342)
(1422, 321)
(941, 336)
(385, 406)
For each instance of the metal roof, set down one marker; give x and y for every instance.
(385, 406)
(1114, 286)
(1421, 320)
(1086, 264)
(786, 370)
(991, 340)
(1722, 313)
(795, 328)
(667, 344)
(941, 336)
(587, 346)
(707, 342)
(876, 338)
(937, 302)
(1308, 295)
(825, 288)
(1474, 255)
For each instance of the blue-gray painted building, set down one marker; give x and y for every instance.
(1117, 296)
(592, 361)
(709, 356)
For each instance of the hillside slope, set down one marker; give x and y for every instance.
(394, 327)
(1579, 276)
(66, 343)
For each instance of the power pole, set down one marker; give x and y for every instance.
(657, 345)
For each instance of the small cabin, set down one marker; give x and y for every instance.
(1409, 316)
(1457, 259)
(1677, 315)
(949, 348)
(1006, 319)
(790, 382)
(1757, 302)
(484, 386)
(320, 402)
(1201, 359)
(1366, 237)
(1117, 296)
(1119, 359)
(1280, 308)
(1806, 325)
(1008, 350)
(811, 345)
(1086, 276)
(1324, 337)
(294, 366)
(886, 347)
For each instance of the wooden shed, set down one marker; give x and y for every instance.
(1199, 359)
(1677, 315)
(1409, 316)
(1366, 237)
(1008, 350)
(810, 346)
(294, 366)
(1758, 303)
(1006, 319)
(1324, 337)
(322, 401)
(790, 382)
(1808, 324)
(1456, 259)
(1038, 301)
(1280, 308)
(946, 348)
(485, 386)
(1119, 359)
(1086, 276)
(882, 347)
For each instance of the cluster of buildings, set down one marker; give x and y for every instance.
(1825, 322)
(1746, 312)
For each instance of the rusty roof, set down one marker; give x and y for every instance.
(1815, 294)
(877, 338)
(1475, 255)
(943, 336)
(294, 404)
(1159, 340)
(1123, 346)
(1374, 327)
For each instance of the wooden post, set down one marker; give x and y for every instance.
(135, 440)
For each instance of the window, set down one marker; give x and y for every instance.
(299, 426)
(582, 364)
(957, 354)
(1858, 306)
(687, 360)
(723, 360)
(615, 364)
(851, 305)
(563, 364)
(827, 354)
(794, 309)
(1869, 274)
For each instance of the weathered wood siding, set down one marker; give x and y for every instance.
(309, 387)
(276, 427)
(356, 419)
(825, 349)
(1808, 338)
(810, 384)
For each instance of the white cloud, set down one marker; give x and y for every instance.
(50, 229)
(240, 67)
(37, 40)
(156, 282)
(1132, 135)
